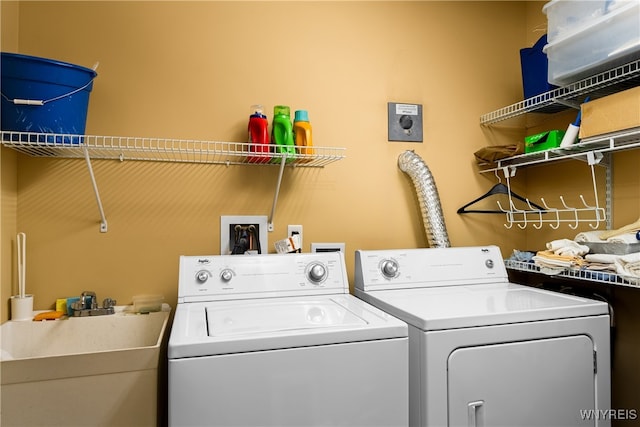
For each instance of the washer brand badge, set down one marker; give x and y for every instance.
(204, 261)
(485, 250)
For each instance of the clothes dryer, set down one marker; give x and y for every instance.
(277, 340)
(486, 352)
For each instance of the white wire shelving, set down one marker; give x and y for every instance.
(93, 147)
(607, 277)
(593, 151)
(617, 141)
(166, 150)
(606, 83)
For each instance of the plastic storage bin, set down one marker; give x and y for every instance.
(568, 16)
(602, 43)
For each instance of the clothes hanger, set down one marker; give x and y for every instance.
(497, 189)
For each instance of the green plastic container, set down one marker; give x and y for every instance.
(543, 141)
(282, 134)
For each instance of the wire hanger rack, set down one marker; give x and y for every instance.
(593, 214)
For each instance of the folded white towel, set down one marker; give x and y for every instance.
(547, 262)
(549, 259)
(627, 238)
(602, 258)
(554, 245)
(567, 247)
(633, 227)
(589, 236)
(600, 267)
(629, 265)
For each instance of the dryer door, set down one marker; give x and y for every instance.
(548, 382)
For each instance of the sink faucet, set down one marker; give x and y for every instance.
(88, 300)
(88, 305)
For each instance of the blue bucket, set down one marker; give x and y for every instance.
(43, 95)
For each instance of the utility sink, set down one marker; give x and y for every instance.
(90, 371)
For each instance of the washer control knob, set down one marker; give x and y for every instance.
(202, 276)
(226, 275)
(317, 273)
(389, 268)
(489, 263)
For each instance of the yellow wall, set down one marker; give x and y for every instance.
(192, 69)
(8, 177)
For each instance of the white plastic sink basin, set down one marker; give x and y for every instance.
(108, 364)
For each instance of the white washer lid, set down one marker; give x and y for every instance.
(271, 316)
(480, 305)
(224, 327)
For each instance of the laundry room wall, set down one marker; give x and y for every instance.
(8, 176)
(190, 70)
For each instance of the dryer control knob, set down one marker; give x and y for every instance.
(202, 276)
(226, 275)
(389, 268)
(317, 273)
(489, 263)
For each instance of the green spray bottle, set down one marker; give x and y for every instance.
(282, 134)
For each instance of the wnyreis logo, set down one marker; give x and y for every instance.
(608, 414)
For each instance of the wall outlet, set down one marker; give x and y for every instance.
(295, 229)
(243, 234)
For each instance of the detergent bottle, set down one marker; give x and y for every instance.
(258, 135)
(302, 134)
(282, 133)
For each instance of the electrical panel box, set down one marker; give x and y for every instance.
(404, 122)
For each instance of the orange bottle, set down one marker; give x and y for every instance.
(302, 135)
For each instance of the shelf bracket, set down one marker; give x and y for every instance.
(594, 158)
(609, 191)
(566, 103)
(509, 171)
(275, 196)
(103, 219)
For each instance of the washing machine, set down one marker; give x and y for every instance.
(486, 352)
(278, 340)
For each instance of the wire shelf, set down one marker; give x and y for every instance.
(616, 141)
(167, 150)
(581, 274)
(606, 83)
(92, 147)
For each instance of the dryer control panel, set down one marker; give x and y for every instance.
(225, 277)
(428, 267)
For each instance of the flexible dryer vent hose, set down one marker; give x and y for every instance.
(411, 164)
